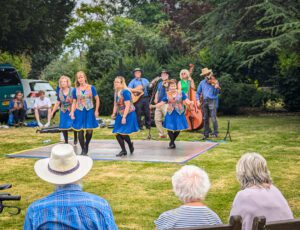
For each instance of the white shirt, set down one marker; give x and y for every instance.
(40, 103)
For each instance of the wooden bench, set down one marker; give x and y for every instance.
(259, 223)
(235, 223)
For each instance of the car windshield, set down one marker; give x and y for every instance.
(9, 77)
(36, 86)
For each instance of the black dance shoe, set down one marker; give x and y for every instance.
(172, 146)
(84, 152)
(131, 148)
(75, 141)
(122, 153)
(204, 138)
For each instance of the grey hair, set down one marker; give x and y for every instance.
(252, 170)
(190, 183)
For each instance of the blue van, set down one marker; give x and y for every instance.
(10, 82)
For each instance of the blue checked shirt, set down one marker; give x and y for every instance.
(136, 82)
(208, 91)
(70, 208)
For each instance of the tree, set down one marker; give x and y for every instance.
(87, 26)
(32, 26)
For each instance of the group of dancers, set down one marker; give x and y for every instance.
(79, 106)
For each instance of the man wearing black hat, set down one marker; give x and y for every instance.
(142, 105)
(159, 95)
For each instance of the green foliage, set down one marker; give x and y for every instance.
(238, 95)
(65, 65)
(32, 26)
(87, 26)
(288, 82)
(101, 57)
(20, 62)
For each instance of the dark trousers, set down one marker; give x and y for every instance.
(19, 115)
(209, 110)
(142, 108)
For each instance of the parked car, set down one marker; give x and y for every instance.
(10, 82)
(31, 88)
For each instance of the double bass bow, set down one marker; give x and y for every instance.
(193, 114)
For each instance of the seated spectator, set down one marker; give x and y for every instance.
(258, 197)
(68, 207)
(191, 185)
(42, 109)
(18, 108)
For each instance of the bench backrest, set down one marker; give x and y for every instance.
(259, 223)
(235, 223)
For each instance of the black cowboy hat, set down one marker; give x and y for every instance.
(165, 71)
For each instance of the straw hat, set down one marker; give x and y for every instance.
(63, 166)
(205, 71)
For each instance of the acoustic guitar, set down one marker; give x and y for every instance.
(138, 92)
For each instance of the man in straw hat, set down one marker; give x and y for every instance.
(209, 88)
(68, 207)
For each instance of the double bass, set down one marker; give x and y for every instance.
(193, 114)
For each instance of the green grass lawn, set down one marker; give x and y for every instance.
(139, 192)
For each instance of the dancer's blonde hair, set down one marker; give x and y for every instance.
(76, 78)
(69, 84)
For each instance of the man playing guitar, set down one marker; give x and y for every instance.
(139, 88)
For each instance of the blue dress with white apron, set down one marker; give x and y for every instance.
(131, 125)
(84, 112)
(175, 119)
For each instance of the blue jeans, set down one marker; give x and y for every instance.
(209, 110)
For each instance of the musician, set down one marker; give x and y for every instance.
(175, 120)
(83, 111)
(209, 88)
(124, 115)
(160, 112)
(142, 105)
(186, 81)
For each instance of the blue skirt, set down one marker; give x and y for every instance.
(131, 125)
(85, 119)
(175, 122)
(65, 121)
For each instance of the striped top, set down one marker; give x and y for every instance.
(186, 217)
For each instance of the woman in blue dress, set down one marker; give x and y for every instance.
(175, 120)
(124, 115)
(64, 102)
(83, 112)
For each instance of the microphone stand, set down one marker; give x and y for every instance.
(149, 137)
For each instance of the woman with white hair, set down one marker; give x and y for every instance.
(258, 197)
(191, 185)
